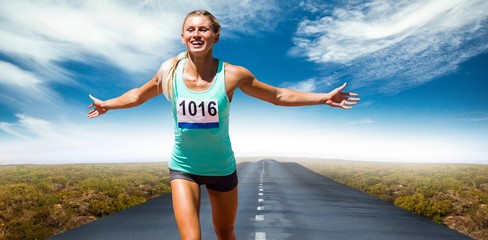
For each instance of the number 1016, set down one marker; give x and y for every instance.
(192, 108)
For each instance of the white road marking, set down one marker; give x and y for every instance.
(260, 236)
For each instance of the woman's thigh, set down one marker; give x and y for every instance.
(186, 207)
(224, 208)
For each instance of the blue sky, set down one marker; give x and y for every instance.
(420, 67)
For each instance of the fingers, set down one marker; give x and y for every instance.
(93, 99)
(93, 112)
(349, 101)
(339, 89)
(348, 105)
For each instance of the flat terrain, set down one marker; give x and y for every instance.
(39, 201)
(278, 200)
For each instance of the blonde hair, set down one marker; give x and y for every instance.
(215, 23)
(166, 74)
(167, 70)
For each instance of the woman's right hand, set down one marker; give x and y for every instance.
(97, 106)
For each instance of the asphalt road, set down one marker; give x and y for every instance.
(277, 200)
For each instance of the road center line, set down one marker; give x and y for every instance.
(259, 217)
(260, 236)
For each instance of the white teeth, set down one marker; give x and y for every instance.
(197, 43)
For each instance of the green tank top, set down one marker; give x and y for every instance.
(201, 127)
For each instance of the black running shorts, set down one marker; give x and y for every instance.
(217, 183)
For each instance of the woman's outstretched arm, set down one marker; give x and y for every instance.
(131, 98)
(288, 97)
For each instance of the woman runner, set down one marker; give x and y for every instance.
(200, 89)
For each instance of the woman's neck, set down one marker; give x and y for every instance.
(201, 67)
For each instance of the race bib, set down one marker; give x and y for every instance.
(194, 113)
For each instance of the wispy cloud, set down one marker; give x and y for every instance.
(361, 121)
(312, 84)
(129, 34)
(23, 79)
(396, 45)
(472, 117)
(28, 127)
(39, 140)
(26, 91)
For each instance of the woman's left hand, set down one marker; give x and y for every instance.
(98, 109)
(344, 100)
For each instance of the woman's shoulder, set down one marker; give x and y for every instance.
(236, 71)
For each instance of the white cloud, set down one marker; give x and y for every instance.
(361, 121)
(311, 85)
(472, 117)
(123, 33)
(314, 6)
(43, 141)
(12, 75)
(396, 44)
(129, 34)
(26, 91)
(28, 127)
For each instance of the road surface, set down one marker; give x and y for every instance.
(277, 200)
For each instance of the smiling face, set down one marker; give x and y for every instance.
(198, 34)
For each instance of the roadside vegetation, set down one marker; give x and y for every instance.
(455, 195)
(39, 201)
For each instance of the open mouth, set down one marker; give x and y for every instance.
(197, 43)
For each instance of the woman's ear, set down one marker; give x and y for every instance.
(217, 37)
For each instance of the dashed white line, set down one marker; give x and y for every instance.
(260, 236)
(260, 217)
